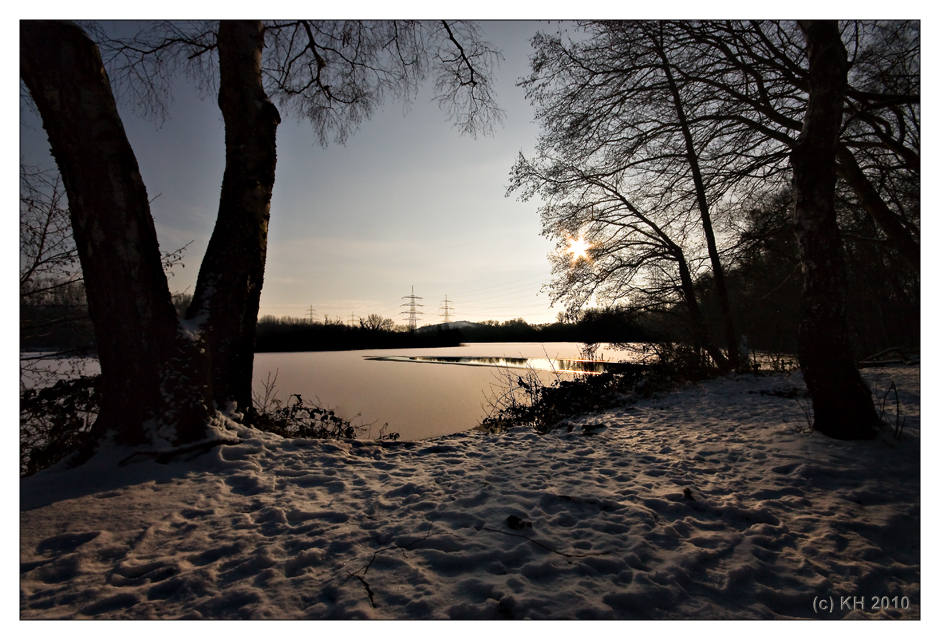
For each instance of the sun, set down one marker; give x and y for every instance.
(578, 248)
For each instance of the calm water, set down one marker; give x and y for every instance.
(420, 393)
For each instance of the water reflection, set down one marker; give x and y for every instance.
(559, 365)
(416, 401)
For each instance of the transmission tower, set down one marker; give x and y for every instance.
(412, 311)
(446, 309)
(310, 314)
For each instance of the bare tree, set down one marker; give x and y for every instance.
(633, 256)
(704, 115)
(52, 298)
(842, 403)
(612, 105)
(375, 322)
(757, 76)
(46, 248)
(162, 378)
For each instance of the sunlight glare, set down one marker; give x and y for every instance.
(578, 248)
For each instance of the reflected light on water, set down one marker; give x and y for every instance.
(561, 365)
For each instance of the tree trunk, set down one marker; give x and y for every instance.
(696, 319)
(146, 367)
(228, 290)
(842, 403)
(721, 290)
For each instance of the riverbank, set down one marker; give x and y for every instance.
(704, 503)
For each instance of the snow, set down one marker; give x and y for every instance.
(705, 503)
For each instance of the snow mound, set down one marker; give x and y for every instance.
(705, 503)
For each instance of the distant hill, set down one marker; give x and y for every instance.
(448, 326)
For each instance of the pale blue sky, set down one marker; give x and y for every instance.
(406, 202)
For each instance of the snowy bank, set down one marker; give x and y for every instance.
(703, 503)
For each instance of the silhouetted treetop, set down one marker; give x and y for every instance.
(332, 73)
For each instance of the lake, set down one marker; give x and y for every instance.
(420, 393)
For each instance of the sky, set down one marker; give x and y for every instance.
(406, 202)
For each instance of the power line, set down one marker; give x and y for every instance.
(524, 289)
(496, 286)
(412, 311)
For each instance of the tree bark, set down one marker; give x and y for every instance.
(842, 403)
(147, 374)
(228, 290)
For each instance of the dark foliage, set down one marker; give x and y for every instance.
(274, 335)
(55, 421)
(883, 303)
(611, 324)
(525, 400)
(299, 418)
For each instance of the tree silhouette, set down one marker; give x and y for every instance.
(643, 123)
(842, 403)
(162, 378)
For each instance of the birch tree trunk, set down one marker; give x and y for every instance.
(228, 290)
(147, 370)
(842, 403)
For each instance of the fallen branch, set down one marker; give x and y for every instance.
(365, 569)
(368, 589)
(898, 423)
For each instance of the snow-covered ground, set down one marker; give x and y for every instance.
(704, 503)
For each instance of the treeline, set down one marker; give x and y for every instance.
(763, 278)
(883, 308)
(297, 334)
(54, 317)
(616, 324)
(375, 332)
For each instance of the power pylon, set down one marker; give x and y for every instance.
(446, 309)
(412, 311)
(310, 314)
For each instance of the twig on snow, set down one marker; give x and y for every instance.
(365, 569)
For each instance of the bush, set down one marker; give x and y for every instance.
(671, 363)
(299, 418)
(524, 400)
(55, 421)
